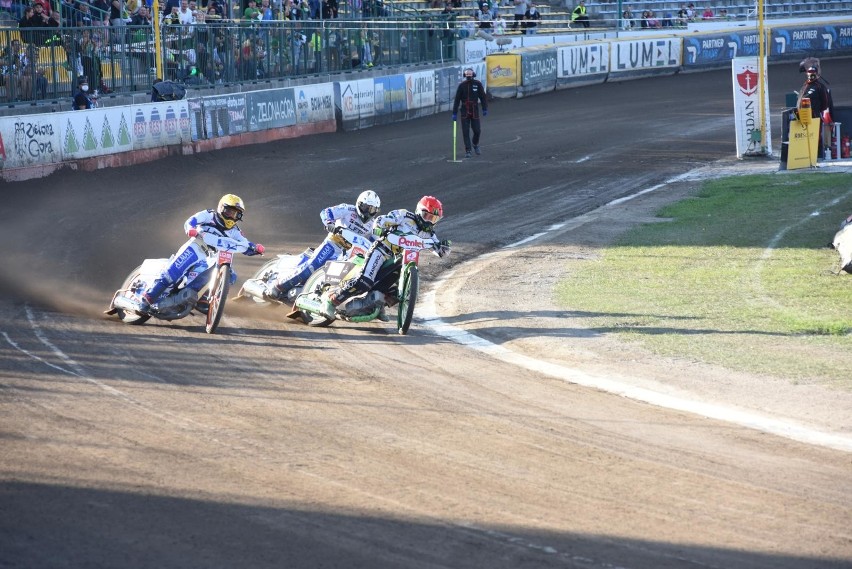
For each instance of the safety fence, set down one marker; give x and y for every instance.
(33, 145)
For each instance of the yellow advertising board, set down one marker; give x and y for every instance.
(804, 142)
(504, 70)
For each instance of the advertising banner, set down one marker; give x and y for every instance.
(800, 41)
(161, 124)
(718, 49)
(30, 140)
(273, 108)
(746, 83)
(630, 59)
(504, 74)
(223, 115)
(582, 64)
(420, 89)
(473, 51)
(98, 132)
(357, 99)
(390, 96)
(314, 103)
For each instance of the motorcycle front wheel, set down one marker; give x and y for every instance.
(407, 299)
(312, 285)
(217, 295)
(131, 291)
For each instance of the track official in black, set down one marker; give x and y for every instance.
(469, 95)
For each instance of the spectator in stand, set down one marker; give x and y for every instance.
(82, 101)
(366, 50)
(83, 16)
(690, 12)
(723, 14)
(117, 20)
(499, 24)
(531, 19)
(265, 11)
(39, 19)
(14, 58)
(329, 9)
(579, 14)
(667, 20)
(90, 56)
(142, 17)
(251, 13)
(520, 11)
(24, 20)
(315, 9)
(185, 17)
(485, 23)
(100, 14)
(707, 14)
(627, 21)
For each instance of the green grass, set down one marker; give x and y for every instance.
(739, 276)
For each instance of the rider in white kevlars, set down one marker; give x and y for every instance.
(358, 218)
(421, 222)
(217, 228)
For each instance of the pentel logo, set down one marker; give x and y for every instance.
(406, 242)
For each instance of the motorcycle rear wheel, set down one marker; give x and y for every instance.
(312, 285)
(407, 299)
(131, 317)
(218, 294)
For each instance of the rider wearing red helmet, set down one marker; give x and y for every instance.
(421, 222)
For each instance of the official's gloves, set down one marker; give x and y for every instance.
(455, 116)
(193, 232)
(485, 112)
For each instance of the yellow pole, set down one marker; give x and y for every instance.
(761, 79)
(158, 54)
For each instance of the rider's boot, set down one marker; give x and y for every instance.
(383, 315)
(275, 292)
(152, 293)
(331, 300)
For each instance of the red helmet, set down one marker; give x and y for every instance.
(428, 212)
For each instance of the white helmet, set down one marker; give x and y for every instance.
(368, 205)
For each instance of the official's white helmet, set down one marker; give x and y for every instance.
(368, 205)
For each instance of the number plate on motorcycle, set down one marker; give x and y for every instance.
(225, 257)
(411, 256)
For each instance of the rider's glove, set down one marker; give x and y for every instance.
(337, 230)
(330, 227)
(193, 232)
(254, 249)
(379, 231)
(455, 116)
(485, 112)
(444, 247)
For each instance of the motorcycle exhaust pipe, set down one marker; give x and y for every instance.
(254, 288)
(126, 303)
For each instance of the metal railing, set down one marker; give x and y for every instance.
(43, 64)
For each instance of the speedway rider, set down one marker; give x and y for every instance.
(217, 229)
(357, 218)
(420, 222)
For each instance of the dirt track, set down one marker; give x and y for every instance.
(275, 445)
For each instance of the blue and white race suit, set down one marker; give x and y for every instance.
(213, 235)
(343, 215)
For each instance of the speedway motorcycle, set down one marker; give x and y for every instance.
(203, 288)
(397, 284)
(352, 243)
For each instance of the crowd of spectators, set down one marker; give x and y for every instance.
(686, 14)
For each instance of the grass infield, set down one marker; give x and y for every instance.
(738, 275)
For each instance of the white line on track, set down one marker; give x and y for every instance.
(781, 427)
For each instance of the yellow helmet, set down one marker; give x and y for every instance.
(230, 210)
